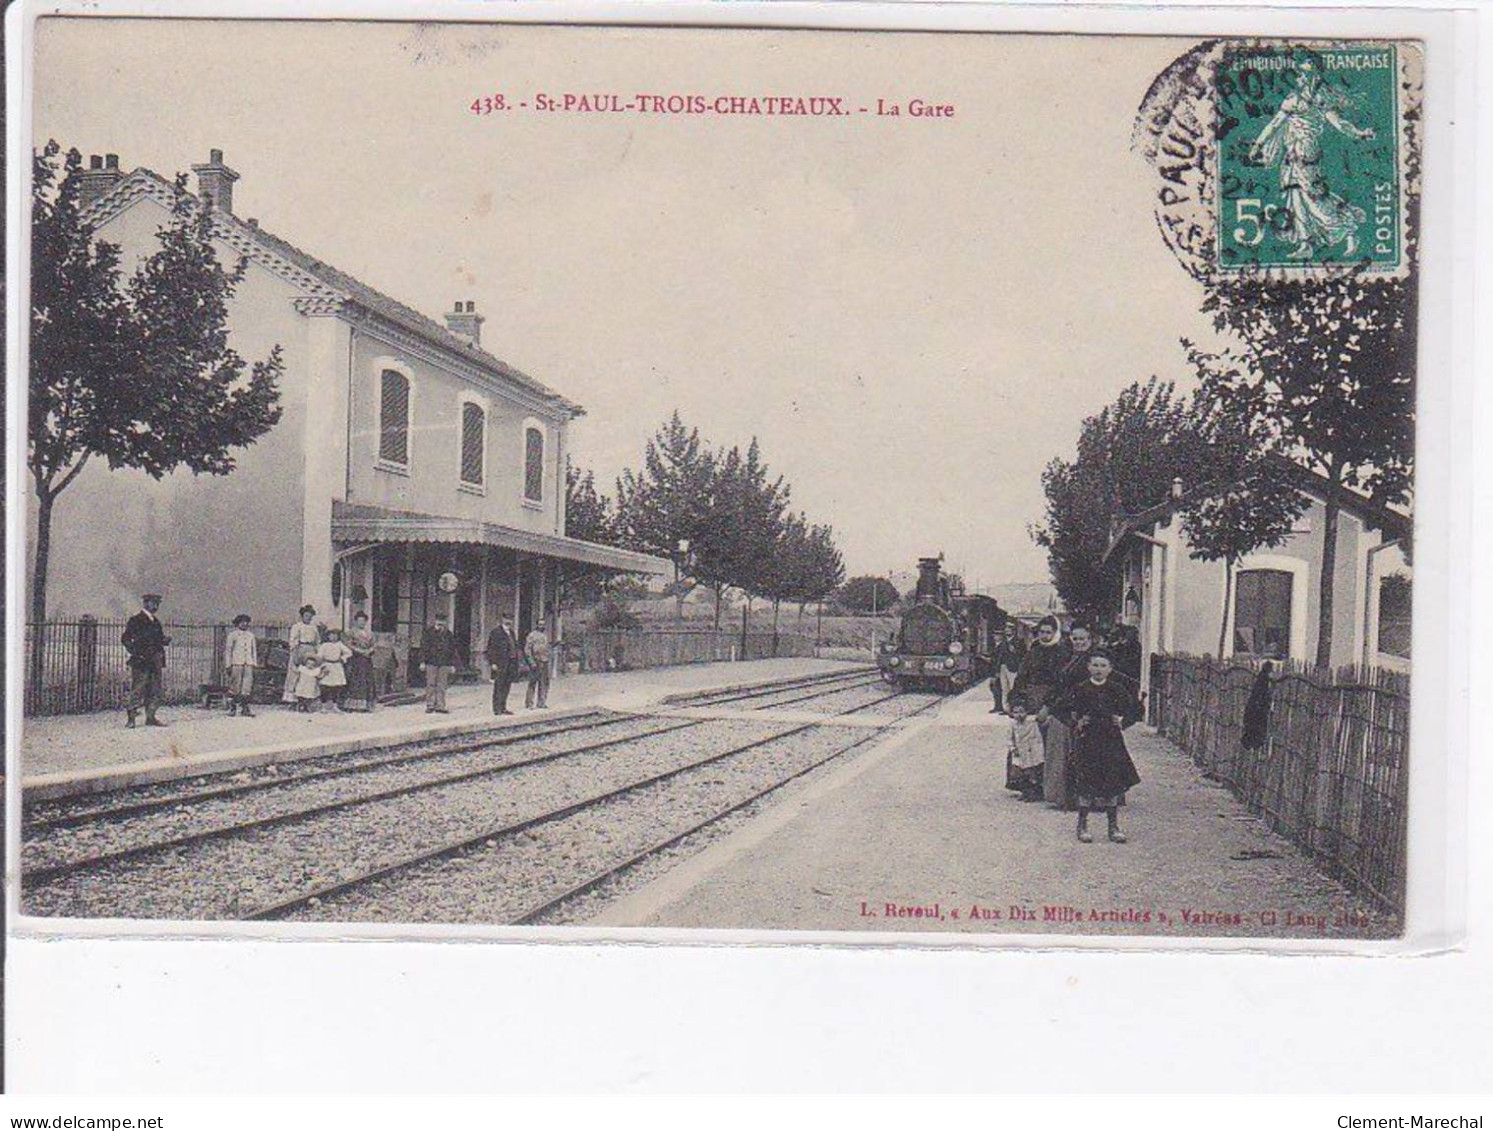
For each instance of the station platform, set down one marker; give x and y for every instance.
(920, 835)
(68, 755)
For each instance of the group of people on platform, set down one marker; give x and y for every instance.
(1070, 700)
(327, 666)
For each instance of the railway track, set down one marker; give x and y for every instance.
(420, 891)
(44, 816)
(610, 743)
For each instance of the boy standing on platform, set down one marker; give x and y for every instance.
(240, 654)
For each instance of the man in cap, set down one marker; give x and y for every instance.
(145, 640)
(438, 654)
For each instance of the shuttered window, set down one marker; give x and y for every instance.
(1262, 613)
(394, 417)
(473, 439)
(534, 465)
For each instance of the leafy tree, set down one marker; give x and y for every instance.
(1128, 455)
(666, 502)
(1251, 498)
(744, 518)
(810, 564)
(1332, 369)
(591, 517)
(868, 593)
(140, 374)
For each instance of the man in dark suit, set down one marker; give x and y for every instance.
(438, 654)
(502, 656)
(145, 641)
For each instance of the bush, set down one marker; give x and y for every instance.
(612, 613)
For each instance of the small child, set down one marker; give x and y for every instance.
(1025, 760)
(333, 655)
(307, 682)
(239, 658)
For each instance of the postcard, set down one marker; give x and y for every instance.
(575, 481)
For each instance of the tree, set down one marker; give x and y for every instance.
(1331, 367)
(591, 517)
(140, 375)
(738, 539)
(1250, 499)
(1128, 456)
(868, 593)
(665, 503)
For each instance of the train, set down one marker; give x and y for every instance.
(946, 640)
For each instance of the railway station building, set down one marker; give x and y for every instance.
(1177, 601)
(411, 469)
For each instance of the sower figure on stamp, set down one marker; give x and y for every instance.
(503, 655)
(145, 641)
(1292, 140)
(537, 652)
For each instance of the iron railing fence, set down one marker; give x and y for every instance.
(77, 666)
(1332, 773)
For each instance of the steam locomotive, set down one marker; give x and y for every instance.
(947, 639)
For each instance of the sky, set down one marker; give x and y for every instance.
(913, 315)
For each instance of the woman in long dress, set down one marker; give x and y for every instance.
(303, 638)
(1040, 674)
(1100, 708)
(360, 684)
(1056, 786)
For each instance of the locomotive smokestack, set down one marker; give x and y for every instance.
(928, 571)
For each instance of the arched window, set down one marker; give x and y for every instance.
(533, 463)
(394, 418)
(473, 444)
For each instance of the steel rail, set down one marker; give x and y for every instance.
(822, 694)
(499, 736)
(707, 698)
(466, 843)
(47, 873)
(597, 879)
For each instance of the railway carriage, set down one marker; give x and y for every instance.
(946, 640)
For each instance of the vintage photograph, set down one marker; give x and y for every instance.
(948, 485)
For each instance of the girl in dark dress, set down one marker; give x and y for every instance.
(1100, 708)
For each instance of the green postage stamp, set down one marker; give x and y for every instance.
(1309, 170)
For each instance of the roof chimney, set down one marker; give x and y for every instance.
(215, 183)
(465, 322)
(101, 175)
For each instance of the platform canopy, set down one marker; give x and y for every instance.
(354, 525)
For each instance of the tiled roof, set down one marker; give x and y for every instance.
(370, 299)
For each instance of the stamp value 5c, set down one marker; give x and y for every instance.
(1308, 157)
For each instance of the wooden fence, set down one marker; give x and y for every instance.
(623, 649)
(1332, 775)
(76, 666)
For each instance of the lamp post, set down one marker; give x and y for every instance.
(681, 560)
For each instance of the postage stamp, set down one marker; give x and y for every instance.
(1308, 157)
